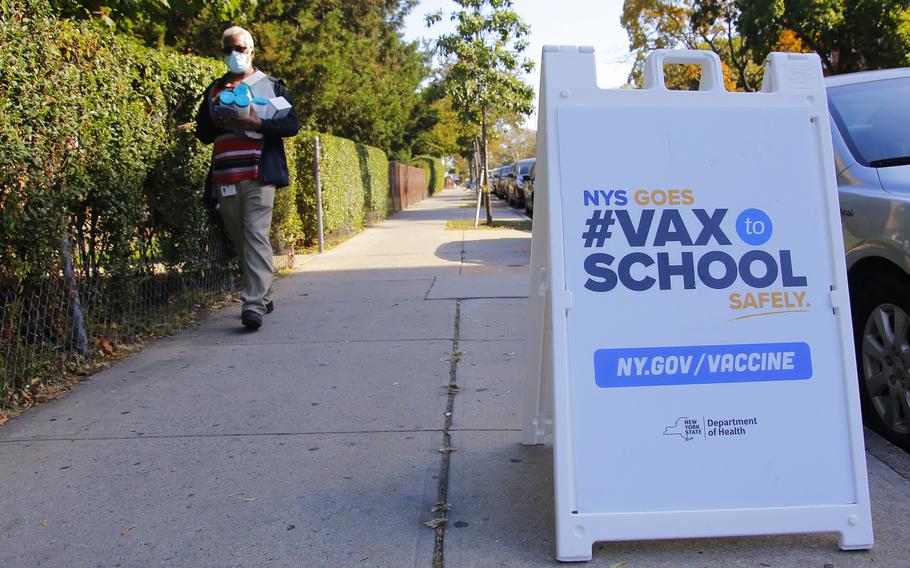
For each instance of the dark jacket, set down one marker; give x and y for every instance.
(273, 165)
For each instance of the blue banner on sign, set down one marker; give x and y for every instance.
(702, 364)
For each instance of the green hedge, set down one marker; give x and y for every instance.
(374, 168)
(96, 145)
(355, 184)
(436, 174)
(287, 228)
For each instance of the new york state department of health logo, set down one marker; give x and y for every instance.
(686, 428)
(712, 428)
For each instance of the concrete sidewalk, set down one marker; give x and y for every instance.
(315, 441)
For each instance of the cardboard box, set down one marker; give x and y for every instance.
(278, 107)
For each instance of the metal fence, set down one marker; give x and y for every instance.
(58, 322)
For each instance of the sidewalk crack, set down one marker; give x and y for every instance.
(430, 289)
(442, 494)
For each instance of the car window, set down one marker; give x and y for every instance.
(524, 168)
(874, 119)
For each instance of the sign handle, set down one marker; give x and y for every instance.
(712, 75)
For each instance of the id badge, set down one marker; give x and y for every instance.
(228, 190)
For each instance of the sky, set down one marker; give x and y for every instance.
(553, 22)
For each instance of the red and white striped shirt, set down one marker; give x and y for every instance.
(236, 157)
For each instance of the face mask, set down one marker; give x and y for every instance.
(238, 62)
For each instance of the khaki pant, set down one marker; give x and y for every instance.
(247, 216)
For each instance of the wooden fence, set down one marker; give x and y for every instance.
(407, 185)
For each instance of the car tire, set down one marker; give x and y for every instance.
(881, 334)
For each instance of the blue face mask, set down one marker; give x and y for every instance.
(238, 62)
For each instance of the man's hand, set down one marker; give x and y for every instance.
(248, 123)
(219, 121)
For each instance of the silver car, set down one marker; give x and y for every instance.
(870, 112)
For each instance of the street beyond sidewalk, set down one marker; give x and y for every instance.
(316, 440)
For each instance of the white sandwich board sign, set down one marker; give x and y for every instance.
(690, 323)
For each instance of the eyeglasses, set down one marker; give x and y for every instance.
(236, 48)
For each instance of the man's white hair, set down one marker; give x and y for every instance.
(245, 37)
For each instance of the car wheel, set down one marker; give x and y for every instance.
(881, 325)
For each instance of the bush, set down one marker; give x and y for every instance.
(436, 174)
(97, 132)
(90, 123)
(287, 228)
(374, 172)
(355, 184)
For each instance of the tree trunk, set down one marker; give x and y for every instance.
(483, 159)
(740, 65)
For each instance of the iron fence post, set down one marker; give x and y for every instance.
(73, 292)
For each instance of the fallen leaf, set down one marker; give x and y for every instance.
(105, 345)
(364, 558)
(446, 450)
(618, 564)
(43, 524)
(127, 529)
(435, 523)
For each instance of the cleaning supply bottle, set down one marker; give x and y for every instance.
(241, 89)
(226, 98)
(242, 102)
(260, 106)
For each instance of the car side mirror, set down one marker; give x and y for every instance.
(525, 178)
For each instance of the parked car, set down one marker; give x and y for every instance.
(528, 189)
(494, 181)
(515, 187)
(870, 112)
(502, 185)
(492, 176)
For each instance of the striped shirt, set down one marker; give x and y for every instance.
(236, 157)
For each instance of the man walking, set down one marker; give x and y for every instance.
(248, 163)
